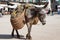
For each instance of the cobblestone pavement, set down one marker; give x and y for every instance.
(50, 31)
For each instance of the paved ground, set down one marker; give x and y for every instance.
(50, 31)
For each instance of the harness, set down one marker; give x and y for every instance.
(16, 12)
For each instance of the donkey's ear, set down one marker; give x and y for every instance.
(46, 4)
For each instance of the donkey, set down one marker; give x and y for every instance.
(29, 18)
(30, 15)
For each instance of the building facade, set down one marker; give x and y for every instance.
(17, 0)
(24, 0)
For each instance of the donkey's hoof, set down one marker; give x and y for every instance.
(12, 35)
(28, 37)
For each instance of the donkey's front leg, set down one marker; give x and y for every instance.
(29, 30)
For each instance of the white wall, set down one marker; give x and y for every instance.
(49, 5)
(34, 0)
(12, 0)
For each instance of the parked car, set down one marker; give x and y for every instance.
(1, 11)
(0, 14)
(58, 9)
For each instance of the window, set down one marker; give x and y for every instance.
(42, 0)
(17, 0)
(20, 1)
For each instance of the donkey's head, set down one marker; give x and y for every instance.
(41, 15)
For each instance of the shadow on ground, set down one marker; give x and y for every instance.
(7, 36)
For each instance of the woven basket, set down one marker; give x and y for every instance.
(18, 22)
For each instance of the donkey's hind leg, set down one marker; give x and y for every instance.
(12, 33)
(18, 36)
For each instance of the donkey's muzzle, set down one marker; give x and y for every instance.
(43, 23)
